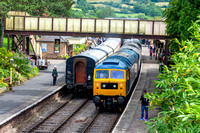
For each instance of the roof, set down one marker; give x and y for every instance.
(112, 64)
(66, 38)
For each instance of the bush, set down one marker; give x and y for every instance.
(21, 63)
(178, 91)
(5, 59)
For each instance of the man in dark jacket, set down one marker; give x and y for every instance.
(144, 105)
(55, 75)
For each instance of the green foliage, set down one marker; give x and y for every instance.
(5, 58)
(179, 17)
(79, 48)
(59, 8)
(125, 1)
(21, 63)
(2, 84)
(0, 29)
(105, 12)
(149, 10)
(178, 91)
(4, 73)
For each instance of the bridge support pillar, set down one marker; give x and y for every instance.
(166, 52)
(27, 45)
(23, 44)
(8, 48)
(13, 42)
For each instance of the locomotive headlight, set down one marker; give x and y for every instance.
(114, 86)
(121, 84)
(97, 84)
(104, 85)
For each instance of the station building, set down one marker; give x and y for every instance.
(55, 47)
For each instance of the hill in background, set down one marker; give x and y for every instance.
(143, 9)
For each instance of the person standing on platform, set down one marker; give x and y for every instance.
(151, 52)
(144, 106)
(161, 68)
(55, 75)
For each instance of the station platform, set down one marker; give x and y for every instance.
(32, 90)
(129, 121)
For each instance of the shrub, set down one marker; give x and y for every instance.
(178, 91)
(5, 58)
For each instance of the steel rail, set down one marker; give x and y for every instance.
(50, 114)
(90, 123)
(112, 125)
(76, 110)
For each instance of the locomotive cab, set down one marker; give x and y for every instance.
(109, 88)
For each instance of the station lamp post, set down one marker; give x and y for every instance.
(11, 62)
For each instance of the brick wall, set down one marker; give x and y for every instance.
(50, 54)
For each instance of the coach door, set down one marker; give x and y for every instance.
(80, 73)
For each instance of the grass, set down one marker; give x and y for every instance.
(102, 5)
(5, 42)
(162, 3)
(76, 9)
(124, 5)
(103, 1)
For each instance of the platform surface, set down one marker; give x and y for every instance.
(31, 91)
(130, 121)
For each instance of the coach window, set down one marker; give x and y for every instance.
(102, 74)
(117, 74)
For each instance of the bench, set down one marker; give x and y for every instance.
(7, 80)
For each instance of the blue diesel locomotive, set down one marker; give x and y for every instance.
(114, 77)
(80, 68)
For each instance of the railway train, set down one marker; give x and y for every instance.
(80, 68)
(114, 77)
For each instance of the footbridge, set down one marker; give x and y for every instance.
(124, 28)
(26, 25)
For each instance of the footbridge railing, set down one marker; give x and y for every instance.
(29, 25)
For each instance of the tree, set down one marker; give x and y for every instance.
(125, 1)
(57, 8)
(105, 12)
(31, 6)
(179, 17)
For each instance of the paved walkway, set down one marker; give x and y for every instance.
(130, 121)
(31, 91)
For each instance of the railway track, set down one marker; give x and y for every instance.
(75, 115)
(54, 120)
(102, 123)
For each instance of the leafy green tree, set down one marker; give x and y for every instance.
(59, 8)
(125, 1)
(34, 7)
(179, 17)
(105, 12)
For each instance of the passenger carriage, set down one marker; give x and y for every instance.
(80, 68)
